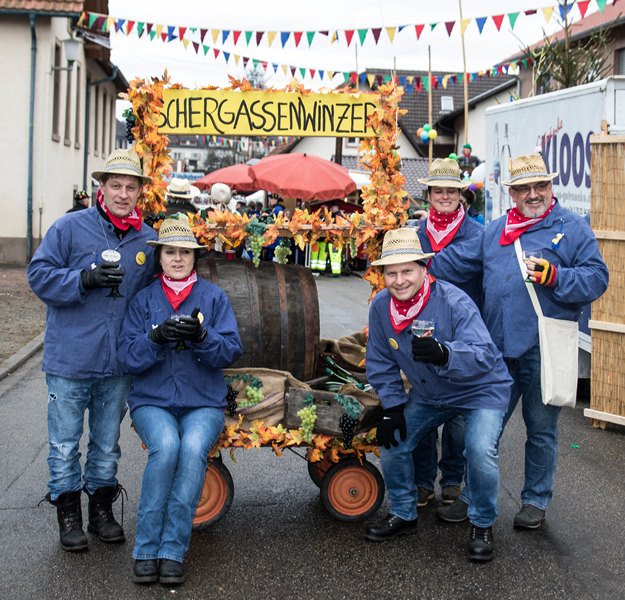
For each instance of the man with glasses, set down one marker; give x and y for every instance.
(568, 273)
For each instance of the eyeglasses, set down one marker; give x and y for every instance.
(524, 190)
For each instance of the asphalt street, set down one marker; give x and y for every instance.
(277, 542)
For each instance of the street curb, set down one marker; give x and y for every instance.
(21, 356)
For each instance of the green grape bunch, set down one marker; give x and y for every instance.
(253, 395)
(283, 251)
(308, 416)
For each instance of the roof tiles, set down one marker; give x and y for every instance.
(52, 6)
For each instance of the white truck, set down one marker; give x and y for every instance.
(559, 126)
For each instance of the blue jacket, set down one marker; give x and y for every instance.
(475, 375)
(179, 379)
(467, 238)
(582, 277)
(82, 327)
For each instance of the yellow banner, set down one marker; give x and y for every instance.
(231, 112)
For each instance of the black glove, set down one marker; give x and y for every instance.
(105, 275)
(427, 349)
(190, 328)
(164, 333)
(392, 419)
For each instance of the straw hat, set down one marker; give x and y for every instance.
(400, 246)
(122, 162)
(444, 172)
(220, 193)
(182, 188)
(528, 168)
(176, 231)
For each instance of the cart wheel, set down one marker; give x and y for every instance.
(216, 496)
(317, 470)
(351, 491)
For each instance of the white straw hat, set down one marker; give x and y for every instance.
(400, 246)
(122, 162)
(528, 168)
(176, 231)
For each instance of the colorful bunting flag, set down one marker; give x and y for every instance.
(419, 30)
(362, 35)
(310, 35)
(449, 25)
(463, 25)
(390, 31)
(601, 5)
(583, 7)
(512, 17)
(547, 12)
(498, 20)
(376, 34)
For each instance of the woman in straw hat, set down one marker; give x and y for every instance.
(178, 335)
(454, 369)
(446, 230)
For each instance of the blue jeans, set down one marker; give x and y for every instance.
(178, 445)
(452, 463)
(68, 399)
(482, 430)
(541, 424)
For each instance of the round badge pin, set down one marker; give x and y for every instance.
(140, 258)
(393, 343)
(111, 256)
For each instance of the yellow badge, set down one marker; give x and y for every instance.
(393, 343)
(140, 258)
(200, 318)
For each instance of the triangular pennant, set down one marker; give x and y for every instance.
(101, 24)
(119, 24)
(297, 36)
(224, 35)
(110, 23)
(196, 47)
(349, 34)
(159, 30)
(271, 36)
(149, 27)
(333, 38)
(498, 20)
(362, 34)
(285, 69)
(255, 62)
(547, 12)
(203, 33)
(206, 49)
(362, 78)
(185, 43)
(321, 73)
(302, 72)
(284, 37)
(419, 30)
(433, 26)
(310, 36)
(226, 55)
(390, 31)
(237, 58)
(583, 7)
(354, 77)
(92, 19)
(215, 35)
(376, 34)
(140, 28)
(164, 36)
(292, 69)
(170, 32)
(449, 26)
(512, 17)
(259, 37)
(274, 66)
(601, 5)
(181, 32)
(130, 27)
(463, 25)
(312, 73)
(152, 35)
(531, 11)
(248, 37)
(564, 10)
(235, 36)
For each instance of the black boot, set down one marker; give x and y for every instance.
(101, 519)
(481, 544)
(69, 515)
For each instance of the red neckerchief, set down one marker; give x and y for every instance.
(442, 227)
(123, 223)
(177, 290)
(404, 312)
(517, 224)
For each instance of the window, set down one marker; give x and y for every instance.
(68, 109)
(77, 109)
(620, 62)
(104, 122)
(96, 122)
(351, 142)
(447, 104)
(56, 97)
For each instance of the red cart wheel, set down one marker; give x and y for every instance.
(216, 496)
(351, 491)
(317, 470)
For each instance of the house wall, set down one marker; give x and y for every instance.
(57, 159)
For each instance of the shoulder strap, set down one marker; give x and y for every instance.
(528, 284)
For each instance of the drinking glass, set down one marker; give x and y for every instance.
(531, 258)
(422, 328)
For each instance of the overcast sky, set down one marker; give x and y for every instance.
(143, 57)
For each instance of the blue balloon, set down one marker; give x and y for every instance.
(425, 137)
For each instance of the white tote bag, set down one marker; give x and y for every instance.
(558, 339)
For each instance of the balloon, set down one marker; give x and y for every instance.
(473, 187)
(432, 134)
(420, 131)
(480, 185)
(427, 127)
(453, 155)
(479, 172)
(425, 137)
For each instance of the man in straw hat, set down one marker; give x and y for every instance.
(446, 225)
(181, 196)
(454, 369)
(88, 267)
(567, 272)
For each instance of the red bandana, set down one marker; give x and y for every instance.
(517, 224)
(123, 223)
(404, 312)
(442, 227)
(177, 290)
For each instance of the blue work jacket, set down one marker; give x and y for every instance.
(82, 326)
(475, 375)
(467, 239)
(179, 379)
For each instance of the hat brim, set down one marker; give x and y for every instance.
(183, 195)
(98, 175)
(443, 183)
(526, 180)
(396, 259)
(189, 245)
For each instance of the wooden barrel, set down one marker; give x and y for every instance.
(277, 311)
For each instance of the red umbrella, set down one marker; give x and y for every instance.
(237, 177)
(302, 176)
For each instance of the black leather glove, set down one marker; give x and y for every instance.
(190, 328)
(105, 275)
(427, 349)
(392, 419)
(164, 333)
